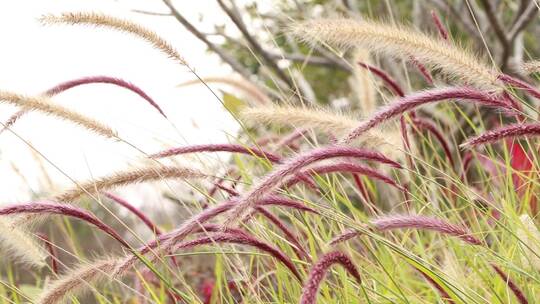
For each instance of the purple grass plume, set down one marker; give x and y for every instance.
(42, 208)
(392, 222)
(344, 236)
(235, 148)
(52, 251)
(520, 84)
(64, 86)
(148, 222)
(415, 100)
(439, 25)
(387, 79)
(275, 178)
(444, 295)
(168, 240)
(515, 289)
(515, 130)
(318, 273)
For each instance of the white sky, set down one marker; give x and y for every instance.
(34, 58)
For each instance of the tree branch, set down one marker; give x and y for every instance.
(237, 20)
(227, 58)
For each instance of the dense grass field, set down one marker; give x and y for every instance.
(407, 172)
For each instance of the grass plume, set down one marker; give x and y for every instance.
(415, 100)
(122, 178)
(318, 273)
(511, 131)
(76, 281)
(234, 148)
(392, 222)
(20, 244)
(44, 105)
(401, 42)
(122, 25)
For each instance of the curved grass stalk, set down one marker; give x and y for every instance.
(44, 105)
(242, 239)
(415, 100)
(20, 244)
(291, 166)
(147, 221)
(42, 208)
(291, 236)
(318, 273)
(426, 124)
(83, 81)
(128, 177)
(74, 282)
(342, 167)
(243, 85)
(392, 222)
(513, 287)
(122, 25)
(453, 61)
(511, 131)
(234, 148)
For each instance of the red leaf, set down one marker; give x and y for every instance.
(521, 162)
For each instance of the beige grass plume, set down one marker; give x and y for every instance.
(133, 176)
(77, 281)
(46, 106)
(530, 67)
(400, 42)
(122, 25)
(319, 119)
(362, 83)
(240, 84)
(21, 244)
(529, 235)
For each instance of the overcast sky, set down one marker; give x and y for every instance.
(34, 58)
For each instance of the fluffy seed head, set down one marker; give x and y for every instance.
(44, 105)
(122, 25)
(276, 178)
(529, 235)
(516, 130)
(21, 244)
(320, 120)
(399, 42)
(415, 100)
(154, 173)
(319, 270)
(77, 281)
(235, 148)
(423, 222)
(532, 66)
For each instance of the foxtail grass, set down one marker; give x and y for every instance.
(401, 42)
(318, 272)
(122, 25)
(122, 178)
(46, 106)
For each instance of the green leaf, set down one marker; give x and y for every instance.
(232, 103)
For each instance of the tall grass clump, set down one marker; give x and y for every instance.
(385, 148)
